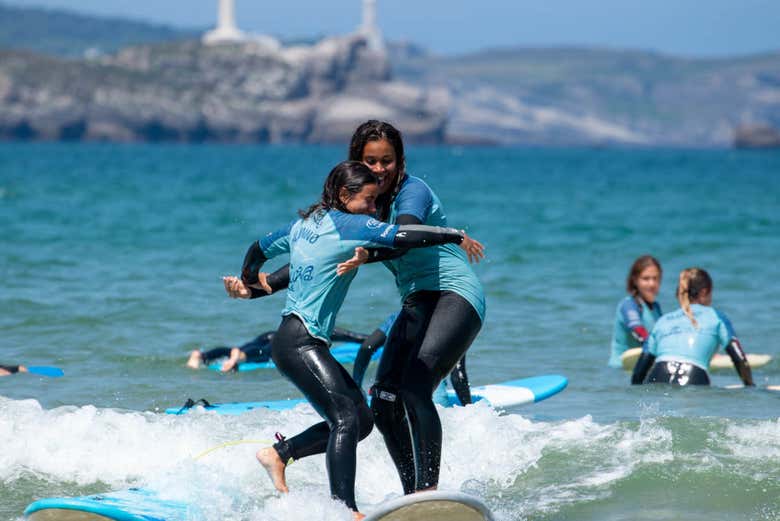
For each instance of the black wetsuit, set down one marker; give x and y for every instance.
(458, 376)
(10, 368)
(334, 395)
(432, 333)
(259, 349)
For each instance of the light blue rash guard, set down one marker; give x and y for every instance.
(316, 246)
(438, 268)
(628, 316)
(674, 337)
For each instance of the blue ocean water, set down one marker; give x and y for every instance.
(111, 259)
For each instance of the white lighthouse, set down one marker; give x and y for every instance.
(226, 30)
(369, 29)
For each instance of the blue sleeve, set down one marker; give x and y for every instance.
(651, 344)
(276, 243)
(630, 314)
(363, 228)
(725, 330)
(414, 199)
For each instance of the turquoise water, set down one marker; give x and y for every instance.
(111, 258)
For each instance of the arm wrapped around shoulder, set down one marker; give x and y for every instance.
(253, 261)
(419, 235)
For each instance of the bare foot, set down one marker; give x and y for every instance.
(231, 362)
(273, 464)
(195, 359)
(23, 369)
(357, 516)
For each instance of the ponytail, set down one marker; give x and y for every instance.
(692, 282)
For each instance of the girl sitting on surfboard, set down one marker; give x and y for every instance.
(325, 235)
(637, 313)
(682, 343)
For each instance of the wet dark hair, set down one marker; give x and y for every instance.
(692, 282)
(352, 175)
(375, 130)
(637, 268)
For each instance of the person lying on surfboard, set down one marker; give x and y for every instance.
(682, 343)
(5, 370)
(257, 350)
(637, 313)
(325, 235)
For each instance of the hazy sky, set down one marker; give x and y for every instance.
(689, 27)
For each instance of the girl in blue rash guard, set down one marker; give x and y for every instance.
(443, 307)
(374, 341)
(325, 235)
(682, 343)
(636, 314)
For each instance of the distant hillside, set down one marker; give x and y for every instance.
(580, 95)
(66, 33)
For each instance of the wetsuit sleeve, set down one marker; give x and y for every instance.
(371, 232)
(460, 382)
(631, 316)
(270, 246)
(645, 362)
(279, 279)
(728, 338)
(369, 346)
(384, 254)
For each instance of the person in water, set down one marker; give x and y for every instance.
(443, 308)
(682, 343)
(6, 370)
(376, 340)
(637, 313)
(256, 351)
(325, 235)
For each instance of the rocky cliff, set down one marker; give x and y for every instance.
(185, 91)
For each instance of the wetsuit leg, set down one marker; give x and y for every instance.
(453, 325)
(678, 373)
(367, 349)
(430, 335)
(213, 354)
(307, 362)
(10, 368)
(460, 382)
(390, 418)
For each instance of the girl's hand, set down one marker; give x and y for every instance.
(360, 257)
(235, 287)
(262, 282)
(473, 248)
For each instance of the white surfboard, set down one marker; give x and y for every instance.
(718, 362)
(435, 505)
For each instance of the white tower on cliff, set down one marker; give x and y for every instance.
(369, 29)
(226, 30)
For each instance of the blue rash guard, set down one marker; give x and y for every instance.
(316, 246)
(674, 338)
(632, 325)
(439, 268)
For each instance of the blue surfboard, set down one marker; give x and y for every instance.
(344, 353)
(46, 370)
(500, 395)
(135, 504)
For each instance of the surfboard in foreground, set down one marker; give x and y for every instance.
(719, 361)
(134, 504)
(436, 505)
(344, 353)
(504, 394)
